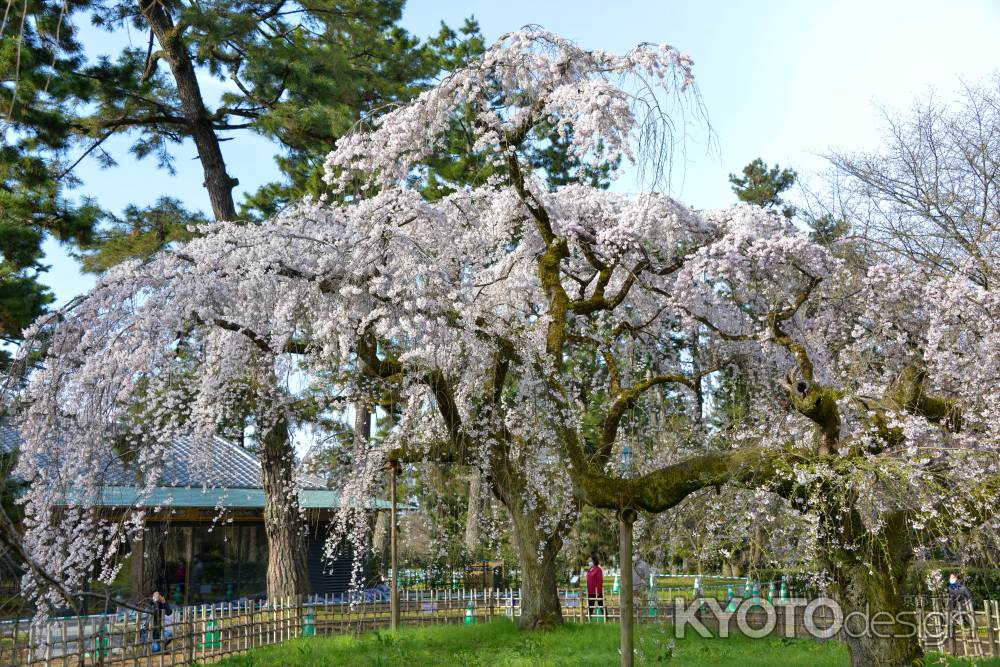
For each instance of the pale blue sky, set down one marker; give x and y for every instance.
(783, 80)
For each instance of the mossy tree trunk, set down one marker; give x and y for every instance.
(869, 583)
(287, 567)
(537, 552)
(537, 548)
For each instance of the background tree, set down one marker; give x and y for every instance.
(35, 134)
(926, 198)
(139, 232)
(763, 186)
(929, 194)
(300, 76)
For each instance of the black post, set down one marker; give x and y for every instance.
(394, 552)
(626, 518)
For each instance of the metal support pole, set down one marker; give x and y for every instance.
(626, 518)
(188, 597)
(394, 552)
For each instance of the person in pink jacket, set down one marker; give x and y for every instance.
(595, 586)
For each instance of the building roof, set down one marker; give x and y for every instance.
(216, 462)
(215, 474)
(10, 439)
(201, 497)
(188, 462)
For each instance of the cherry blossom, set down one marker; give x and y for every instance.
(534, 334)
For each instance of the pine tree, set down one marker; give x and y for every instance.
(35, 134)
(763, 186)
(300, 75)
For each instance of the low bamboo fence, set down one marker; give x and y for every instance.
(209, 633)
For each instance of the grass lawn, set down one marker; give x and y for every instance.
(500, 644)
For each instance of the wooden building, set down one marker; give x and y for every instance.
(204, 537)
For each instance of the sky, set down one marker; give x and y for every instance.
(783, 80)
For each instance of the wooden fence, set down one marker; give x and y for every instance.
(972, 633)
(201, 634)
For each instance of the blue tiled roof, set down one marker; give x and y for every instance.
(10, 439)
(228, 475)
(174, 497)
(187, 463)
(216, 462)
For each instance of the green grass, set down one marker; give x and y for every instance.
(501, 644)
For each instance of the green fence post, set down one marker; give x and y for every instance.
(731, 597)
(470, 613)
(102, 644)
(213, 635)
(755, 600)
(652, 595)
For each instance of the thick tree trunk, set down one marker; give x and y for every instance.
(287, 568)
(536, 548)
(147, 562)
(540, 609)
(196, 118)
(872, 594)
(873, 587)
(474, 512)
(380, 539)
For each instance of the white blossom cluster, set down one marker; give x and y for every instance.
(612, 102)
(439, 293)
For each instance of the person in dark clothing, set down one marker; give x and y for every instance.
(959, 594)
(197, 570)
(159, 609)
(595, 586)
(959, 600)
(180, 577)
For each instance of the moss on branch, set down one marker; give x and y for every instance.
(664, 488)
(908, 393)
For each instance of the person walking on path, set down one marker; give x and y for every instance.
(595, 586)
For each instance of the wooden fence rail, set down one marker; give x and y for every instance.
(208, 633)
